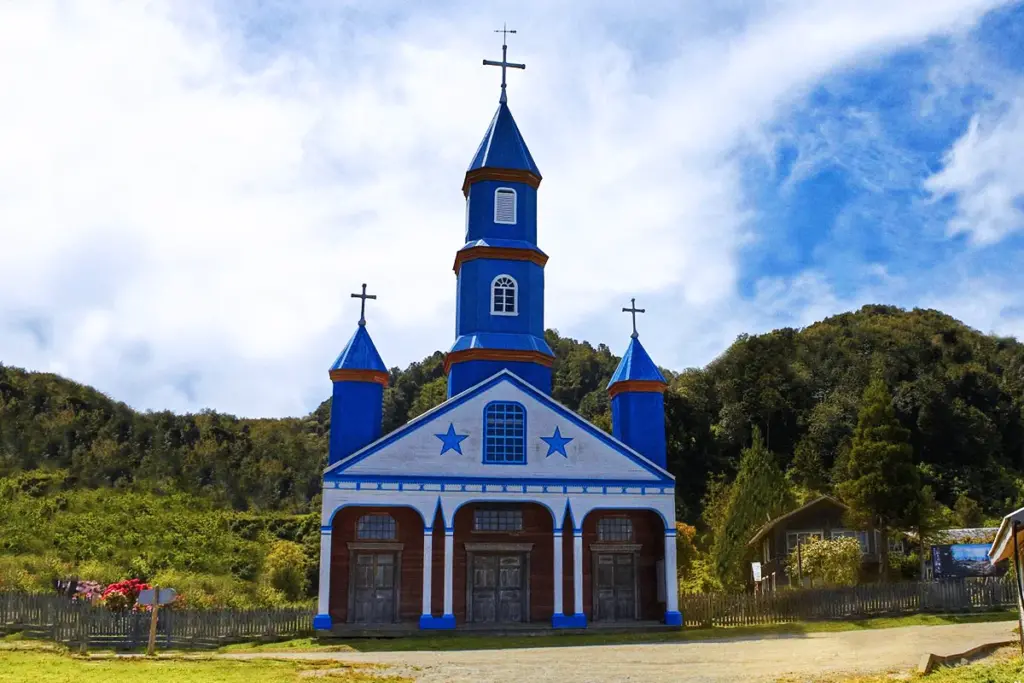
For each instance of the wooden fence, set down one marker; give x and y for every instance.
(855, 602)
(81, 625)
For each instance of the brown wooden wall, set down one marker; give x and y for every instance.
(649, 532)
(409, 527)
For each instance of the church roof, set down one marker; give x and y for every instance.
(360, 354)
(505, 341)
(503, 146)
(636, 365)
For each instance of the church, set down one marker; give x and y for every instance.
(500, 507)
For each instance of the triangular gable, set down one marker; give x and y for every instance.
(415, 450)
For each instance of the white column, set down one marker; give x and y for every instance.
(558, 571)
(672, 616)
(323, 619)
(449, 560)
(577, 570)
(428, 562)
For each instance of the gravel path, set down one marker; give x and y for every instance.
(762, 659)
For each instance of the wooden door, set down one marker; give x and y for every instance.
(615, 587)
(374, 588)
(498, 590)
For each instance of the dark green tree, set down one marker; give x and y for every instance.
(882, 486)
(759, 494)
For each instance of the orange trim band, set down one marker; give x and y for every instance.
(636, 385)
(497, 354)
(506, 253)
(507, 175)
(375, 376)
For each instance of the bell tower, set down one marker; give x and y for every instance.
(499, 315)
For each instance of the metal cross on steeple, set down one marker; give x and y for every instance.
(633, 310)
(504, 63)
(362, 305)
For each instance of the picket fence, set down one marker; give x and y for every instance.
(854, 602)
(79, 625)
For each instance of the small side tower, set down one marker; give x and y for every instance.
(359, 377)
(638, 403)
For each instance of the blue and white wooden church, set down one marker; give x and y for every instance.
(500, 505)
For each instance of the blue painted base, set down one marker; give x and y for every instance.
(322, 622)
(569, 621)
(674, 618)
(431, 623)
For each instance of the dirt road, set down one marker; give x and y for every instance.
(764, 659)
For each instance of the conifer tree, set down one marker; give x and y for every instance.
(759, 494)
(881, 483)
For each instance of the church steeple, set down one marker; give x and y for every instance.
(500, 269)
(357, 403)
(638, 405)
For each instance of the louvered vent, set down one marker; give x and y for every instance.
(505, 206)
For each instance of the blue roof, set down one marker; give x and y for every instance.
(504, 244)
(503, 146)
(506, 341)
(636, 365)
(359, 354)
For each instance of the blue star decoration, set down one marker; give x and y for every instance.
(451, 441)
(556, 443)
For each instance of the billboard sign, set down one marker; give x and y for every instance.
(963, 560)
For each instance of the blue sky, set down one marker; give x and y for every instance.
(189, 191)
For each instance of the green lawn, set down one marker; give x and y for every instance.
(22, 665)
(454, 641)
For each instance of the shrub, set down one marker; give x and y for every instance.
(833, 562)
(123, 595)
(285, 569)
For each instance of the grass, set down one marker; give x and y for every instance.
(455, 641)
(40, 664)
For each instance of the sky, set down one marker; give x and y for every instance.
(190, 191)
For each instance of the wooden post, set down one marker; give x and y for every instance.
(1020, 589)
(151, 648)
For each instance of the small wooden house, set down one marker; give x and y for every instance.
(820, 518)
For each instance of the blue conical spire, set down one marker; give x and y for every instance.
(503, 146)
(360, 354)
(636, 365)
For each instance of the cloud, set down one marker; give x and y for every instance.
(982, 171)
(188, 192)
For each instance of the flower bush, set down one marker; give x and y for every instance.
(123, 595)
(88, 591)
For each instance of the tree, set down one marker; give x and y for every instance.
(759, 493)
(968, 512)
(882, 487)
(833, 562)
(285, 569)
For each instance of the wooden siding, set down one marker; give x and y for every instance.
(649, 532)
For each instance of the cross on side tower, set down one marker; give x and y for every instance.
(362, 304)
(504, 63)
(632, 310)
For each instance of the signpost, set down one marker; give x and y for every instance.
(155, 596)
(756, 567)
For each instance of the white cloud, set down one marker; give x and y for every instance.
(982, 171)
(187, 217)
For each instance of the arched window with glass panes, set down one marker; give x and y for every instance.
(504, 296)
(504, 433)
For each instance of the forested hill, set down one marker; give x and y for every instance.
(960, 392)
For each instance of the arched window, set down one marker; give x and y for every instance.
(376, 527)
(615, 529)
(505, 206)
(504, 433)
(504, 296)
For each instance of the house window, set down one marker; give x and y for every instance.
(505, 206)
(504, 296)
(615, 529)
(861, 536)
(376, 528)
(505, 433)
(896, 544)
(766, 550)
(795, 538)
(497, 520)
